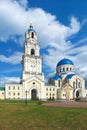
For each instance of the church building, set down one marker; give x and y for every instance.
(68, 85)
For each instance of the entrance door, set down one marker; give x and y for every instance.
(77, 94)
(34, 94)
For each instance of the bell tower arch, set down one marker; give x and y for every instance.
(32, 52)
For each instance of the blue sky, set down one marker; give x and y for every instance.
(61, 26)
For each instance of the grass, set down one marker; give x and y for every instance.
(32, 116)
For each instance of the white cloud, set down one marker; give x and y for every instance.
(75, 25)
(51, 33)
(4, 80)
(15, 21)
(16, 58)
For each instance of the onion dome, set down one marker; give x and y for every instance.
(31, 28)
(65, 62)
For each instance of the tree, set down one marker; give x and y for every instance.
(51, 81)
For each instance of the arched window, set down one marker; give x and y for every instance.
(59, 83)
(73, 84)
(70, 69)
(32, 52)
(60, 70)
(79, 84)
(67, 69)
(63, 69)
(76, 83)
(32, 34)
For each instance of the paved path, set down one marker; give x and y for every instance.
(68, 104)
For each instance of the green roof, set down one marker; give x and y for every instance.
(2, 88)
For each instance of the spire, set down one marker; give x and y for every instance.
(31, 26)
(64, 55)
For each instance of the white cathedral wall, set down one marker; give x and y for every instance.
(65, 95)
(58, 83)
(27, 76)
(33, 65)
(34, 83)
(82, 84)
(83, 88)
(2, 94)
(86, 92)
(13, 91)
(51, 92)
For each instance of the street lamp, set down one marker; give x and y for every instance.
(26, 97)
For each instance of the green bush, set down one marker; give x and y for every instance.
(77, 99)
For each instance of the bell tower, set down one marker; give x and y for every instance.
(32, 61)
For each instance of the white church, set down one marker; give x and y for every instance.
(68, 85)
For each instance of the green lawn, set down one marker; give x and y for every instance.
(19, 116)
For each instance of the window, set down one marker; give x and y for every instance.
(32, 34)
(70, 69)
(50, 89)
(32, 52)
(13, 93)
(63, 69)
(9, 93)
(18, 88)
(47, 89)
(53, 94)
(73, 84)
(9, 87)
(76, 83)
(79, 84)
(46, 94)
(33, 82)
(2, 93)
(59, 83)
(53, 89)
(60, 70)
(14, 88)
(64, 95)
(67, 69)
(18, 94)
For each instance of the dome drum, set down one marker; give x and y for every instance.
(64, 66)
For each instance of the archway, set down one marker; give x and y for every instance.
(32, 34)
(34, 94)
(32, 52)
(77, 94)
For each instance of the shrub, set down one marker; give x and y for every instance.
(78, 99)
